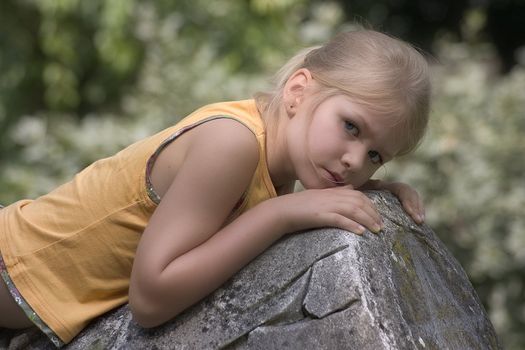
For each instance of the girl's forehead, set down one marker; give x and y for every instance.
(369, 112)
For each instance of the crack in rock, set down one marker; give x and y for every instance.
(318, 289)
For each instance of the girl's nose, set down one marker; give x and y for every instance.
(353, 160)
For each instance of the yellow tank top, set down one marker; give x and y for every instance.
(70, 252)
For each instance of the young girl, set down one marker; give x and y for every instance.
(167, 220)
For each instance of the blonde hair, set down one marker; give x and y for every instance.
(385, 74)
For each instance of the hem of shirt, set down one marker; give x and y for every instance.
(26, 308)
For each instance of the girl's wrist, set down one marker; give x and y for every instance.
(288, 214)
(273, 213)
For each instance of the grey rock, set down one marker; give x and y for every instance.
(320, 289)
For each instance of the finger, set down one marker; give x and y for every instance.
(423, 215)
(365, 216)
(358, 198)
(369, 207)
(414, 211)
(420, 210)
(344, 223)
(356, 206)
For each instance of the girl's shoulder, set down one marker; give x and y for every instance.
(222, 140)
(244, 111)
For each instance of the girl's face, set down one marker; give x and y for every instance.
(339, 142)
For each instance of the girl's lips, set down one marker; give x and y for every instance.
(335, 178)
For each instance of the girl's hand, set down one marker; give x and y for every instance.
(341, 207)
(408, 196)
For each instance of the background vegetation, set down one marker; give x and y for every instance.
(81, 79)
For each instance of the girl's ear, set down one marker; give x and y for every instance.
(294, 90)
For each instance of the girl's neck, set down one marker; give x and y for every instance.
(279, 165)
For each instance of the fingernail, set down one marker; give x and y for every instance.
(361, 230)
(377, 228)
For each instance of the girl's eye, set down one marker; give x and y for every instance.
(375, 157)
(351, 128)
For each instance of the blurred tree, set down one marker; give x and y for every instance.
(424, 21)
(506, 30)
(65, 56)
(418, 21)
(21, 62)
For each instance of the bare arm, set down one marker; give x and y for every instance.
(176, 263)
(186, 252)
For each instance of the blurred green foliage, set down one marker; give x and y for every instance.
(79, 80)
